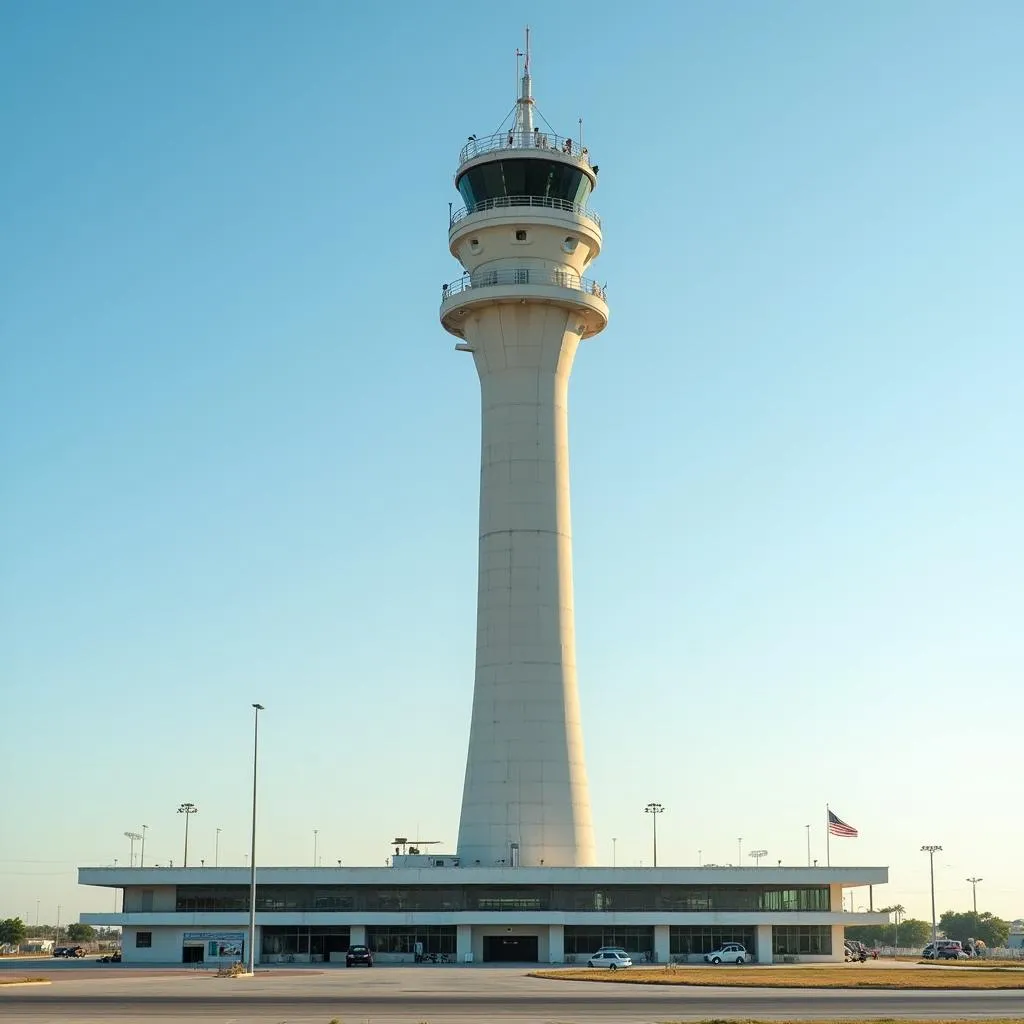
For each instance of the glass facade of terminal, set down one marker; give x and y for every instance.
(583, 940)
(402, 938)
(809, 939)
(686, 940)
(299, 940)
(470, 898)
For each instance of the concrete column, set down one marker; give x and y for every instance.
(838, 938)
(357, 935)
(556, 943)
(836, 898)
(463, 942)
(763, 944)
(662, 944)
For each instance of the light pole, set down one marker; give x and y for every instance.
(142, 852)
(739, 851)
(37, 913)
(700, 858)
(187, 810)
(132, 836)
(931, 851)
(974, 890)
(654, 810)
(56, 938)
(808, 827)
(614, 841)
(316, 836)
(757, 855)
(216, 849)
(252, 848)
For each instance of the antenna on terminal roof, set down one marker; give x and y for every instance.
(526, 68)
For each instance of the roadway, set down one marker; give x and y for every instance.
(89, 993)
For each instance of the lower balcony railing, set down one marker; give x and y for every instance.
(523, 275)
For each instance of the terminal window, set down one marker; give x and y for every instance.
(143, 940)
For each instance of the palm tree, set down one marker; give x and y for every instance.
(901, 912)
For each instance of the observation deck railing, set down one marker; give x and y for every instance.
(524, 140)
(501, 202)
(523, 275)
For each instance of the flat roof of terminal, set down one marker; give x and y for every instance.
(849, 876)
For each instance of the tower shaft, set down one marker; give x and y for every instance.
(525, 239)
(526, 781)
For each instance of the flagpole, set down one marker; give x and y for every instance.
(828, 840)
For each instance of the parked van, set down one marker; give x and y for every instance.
(944, 949)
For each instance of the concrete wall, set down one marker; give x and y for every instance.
(166, 948)
(164, 899)
(168, 943)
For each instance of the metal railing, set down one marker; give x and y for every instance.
(524, 275)
(502, 202)
(524, 140)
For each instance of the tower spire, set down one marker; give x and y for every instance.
(524, 104)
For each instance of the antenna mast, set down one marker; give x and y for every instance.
(524, 105)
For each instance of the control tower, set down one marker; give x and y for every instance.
(525, 238)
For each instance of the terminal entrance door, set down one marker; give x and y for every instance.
(192, 954)
(520, 949)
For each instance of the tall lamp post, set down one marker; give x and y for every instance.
(931, 851)
(654, 810)
(316, 836)
(142, 851)
(808, 827)
(757, 855)
(974, 890)
(252, 848)
(187, 810)
(132, 836)
(216, 849)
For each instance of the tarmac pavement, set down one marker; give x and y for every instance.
(102, 993)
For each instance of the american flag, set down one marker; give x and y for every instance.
(838, 827)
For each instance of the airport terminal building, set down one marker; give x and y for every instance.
(477, 914)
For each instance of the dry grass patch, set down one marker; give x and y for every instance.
(852, 976)
(832, 1020)
(990, 964)
(24, 981)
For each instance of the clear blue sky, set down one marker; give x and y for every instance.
(238, 454)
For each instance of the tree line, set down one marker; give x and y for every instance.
(14, 931)
(909, 932)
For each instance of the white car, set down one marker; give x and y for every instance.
(730, 953)
(613, 959)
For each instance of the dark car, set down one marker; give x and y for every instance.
(358, 955)
(60, 950)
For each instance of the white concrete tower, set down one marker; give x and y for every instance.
(524, 239)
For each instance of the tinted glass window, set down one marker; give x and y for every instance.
(548, 179)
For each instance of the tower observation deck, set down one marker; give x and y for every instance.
(524, 239)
